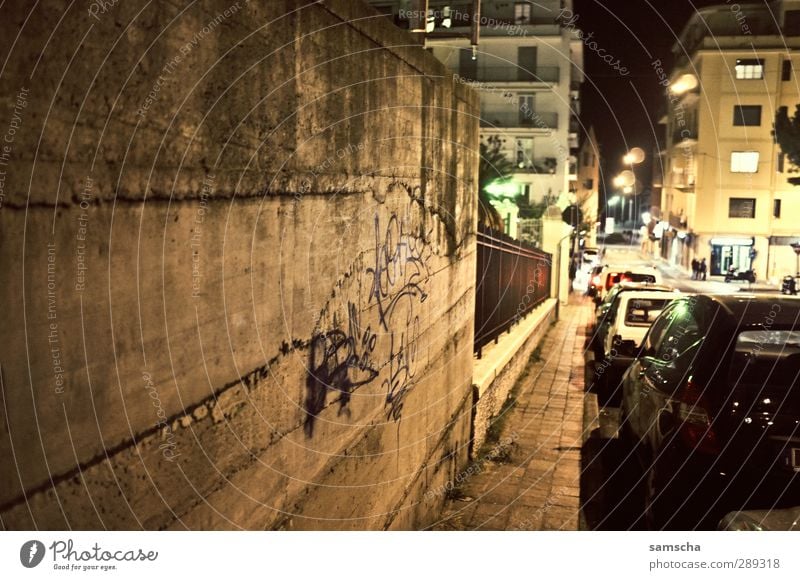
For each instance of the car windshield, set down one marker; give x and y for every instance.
(643, 311)
(767, 356)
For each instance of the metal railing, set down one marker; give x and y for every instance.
(520, 119)
(512, 74)
(513, 279)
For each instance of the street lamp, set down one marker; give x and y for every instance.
(634, 156)
(683, 84)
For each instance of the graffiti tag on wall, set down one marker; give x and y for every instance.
(375, 330)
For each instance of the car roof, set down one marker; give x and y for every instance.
(628, 296)
(631, 286)
(759, 309)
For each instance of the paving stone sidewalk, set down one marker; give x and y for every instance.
(529, 479)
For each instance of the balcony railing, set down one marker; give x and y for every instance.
(519, 119)
(513, 278)
(512, 74)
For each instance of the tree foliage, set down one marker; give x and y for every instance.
(494, 167)
(787, 135)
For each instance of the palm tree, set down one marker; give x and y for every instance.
(494, 167)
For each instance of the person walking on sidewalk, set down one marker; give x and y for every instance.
(702, 268)
(695, 268)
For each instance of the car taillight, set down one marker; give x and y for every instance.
(596, 280)
(696, 429)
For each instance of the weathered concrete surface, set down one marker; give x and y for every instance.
(238, 268)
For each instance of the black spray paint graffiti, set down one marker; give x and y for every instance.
(344, 359)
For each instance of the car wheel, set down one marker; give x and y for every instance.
(661, 507)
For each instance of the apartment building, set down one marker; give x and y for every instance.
(587, 186)
(528, 68)
(725, 193)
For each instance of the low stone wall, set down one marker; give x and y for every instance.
(502, 366)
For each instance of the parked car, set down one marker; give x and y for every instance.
(590, 256)
(601, 310)
(611, 275)
(594, 281)
(711, 406)
(787, 520)
(621, 330)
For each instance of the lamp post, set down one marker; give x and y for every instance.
(626, 180)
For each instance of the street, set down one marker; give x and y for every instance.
(611, 480)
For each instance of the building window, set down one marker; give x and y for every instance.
(781, 162)
(525, 153)
(749, 68)
(747, 115)
(776, 208)
(786, 73)
(742, 207)
(522, 13)
(744, 162)
(526, 104)
(791, 23)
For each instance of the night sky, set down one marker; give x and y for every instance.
(625, 109)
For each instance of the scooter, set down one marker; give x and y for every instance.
(789, 285)
(746, 275)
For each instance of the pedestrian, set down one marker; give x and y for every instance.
(695, 268)
(703, 269)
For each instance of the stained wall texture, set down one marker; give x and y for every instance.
(238, 266)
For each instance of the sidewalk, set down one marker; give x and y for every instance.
(528, 478)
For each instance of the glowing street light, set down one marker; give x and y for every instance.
(625, 179)
(635, 155)
(502, 189)
(683, 84)
(614, 200)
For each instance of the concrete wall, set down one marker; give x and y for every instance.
(238, 260)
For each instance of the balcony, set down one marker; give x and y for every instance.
(539, 166)
(512, 74)
(516, 119)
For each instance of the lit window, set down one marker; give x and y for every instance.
(749, 68)
(744, 162)
(522, 13)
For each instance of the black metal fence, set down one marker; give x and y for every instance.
(513, 279)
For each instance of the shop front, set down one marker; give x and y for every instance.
(727, 252)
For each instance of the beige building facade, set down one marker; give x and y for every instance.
(726, 198)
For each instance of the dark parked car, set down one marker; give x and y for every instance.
(711, 407)
(787, 520)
